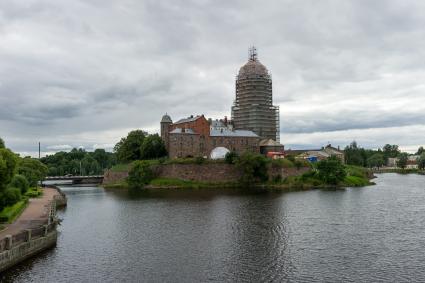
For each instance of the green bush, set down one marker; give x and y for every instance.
(33, 170)
(34, 193)
(282, 163)
(300, 163)
(199, 160)
(11, 196)
(140, 175)
(231, 157)
(253, 167)
(19, 181)
(331, 171)
(8, 163)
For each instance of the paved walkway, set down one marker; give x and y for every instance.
(36, 212)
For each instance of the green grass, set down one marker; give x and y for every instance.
(354, 181)
(117, 185)
(34, 193)
(10, 213)
(185, 184)
(121, 167)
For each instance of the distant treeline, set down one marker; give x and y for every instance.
(79, 162)
(355, 155)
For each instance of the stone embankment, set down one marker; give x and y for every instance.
(34, 230)
(207, 172)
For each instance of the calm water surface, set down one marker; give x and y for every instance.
(371, 234)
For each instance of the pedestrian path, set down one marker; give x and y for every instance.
(35, 213)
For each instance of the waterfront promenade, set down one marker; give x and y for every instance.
(35, 213)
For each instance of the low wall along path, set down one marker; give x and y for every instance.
(33, 231)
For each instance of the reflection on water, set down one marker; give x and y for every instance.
(366, 234)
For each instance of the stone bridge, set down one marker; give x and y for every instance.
(75, 180)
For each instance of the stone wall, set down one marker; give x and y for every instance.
(207, 172)
(15, 253)
(111, 177)
(286, 172)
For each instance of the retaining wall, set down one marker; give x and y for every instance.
(207, 172)
(17, 248)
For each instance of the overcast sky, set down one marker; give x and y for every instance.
(84, 73)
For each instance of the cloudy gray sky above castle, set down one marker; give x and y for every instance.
(84, 73)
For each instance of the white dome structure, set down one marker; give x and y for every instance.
(219, 153)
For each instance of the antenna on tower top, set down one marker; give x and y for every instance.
(252, 51)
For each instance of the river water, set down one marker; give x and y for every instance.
(370, 234)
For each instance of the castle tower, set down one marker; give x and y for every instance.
(165, 129)
(253, 107)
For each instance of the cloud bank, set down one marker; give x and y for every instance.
(84, 73)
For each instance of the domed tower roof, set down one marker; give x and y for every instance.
(166, 119)
(253, 66)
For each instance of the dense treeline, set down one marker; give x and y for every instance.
(17, 175)
(79, 162)
(355, 155)
(139, 145)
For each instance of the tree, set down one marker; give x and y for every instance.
(253, 167)
(8, 163)
(354, 155)
(140, 175)
(402, 160)
(20, 182)
(376, 160)
(420, 150)
(331, 170)
(2, 145)
(128, 148)
(33, 170)
(153, 147)
(102, 157)
(390, 151)
(421, 161)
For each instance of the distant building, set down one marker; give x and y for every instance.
(392, 162)
(412, 162)
(314, 155)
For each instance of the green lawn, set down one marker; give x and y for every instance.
(34, 193)
(10, 213)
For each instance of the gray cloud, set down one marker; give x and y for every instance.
(83, 73)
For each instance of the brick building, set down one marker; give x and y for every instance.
(196, 136)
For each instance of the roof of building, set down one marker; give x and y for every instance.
(253, 67)
(166, 119)
(235, 133)
(269, 142)
(316, 153)
(217, 123)
(188, 119)
(332, 150)
(183, 131)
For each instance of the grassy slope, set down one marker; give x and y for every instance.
(10, 213)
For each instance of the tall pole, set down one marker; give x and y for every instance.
(39, 150)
